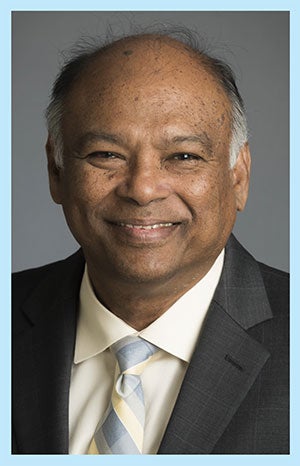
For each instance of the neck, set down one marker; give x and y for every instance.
(140, 304)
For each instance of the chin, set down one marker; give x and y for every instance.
(148, 276)
(144, 273)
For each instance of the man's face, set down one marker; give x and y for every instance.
(146, 187)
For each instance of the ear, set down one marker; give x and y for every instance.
(241, 176)
(54, 173)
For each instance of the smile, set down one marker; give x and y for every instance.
(143, 232)
(147, 227)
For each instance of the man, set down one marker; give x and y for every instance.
(148, 156)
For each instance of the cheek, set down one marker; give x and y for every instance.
(85, 193)
(210, 197)
(203, 187)
(86, 186)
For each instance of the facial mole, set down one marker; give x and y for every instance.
(127, 52)
(110, 175)
(221, 120)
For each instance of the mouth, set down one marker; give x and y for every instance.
(153, 226)
(144, 232)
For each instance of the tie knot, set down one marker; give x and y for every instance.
(131, 351)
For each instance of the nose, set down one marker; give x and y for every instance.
(145, 182)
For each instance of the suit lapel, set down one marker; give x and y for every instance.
(44, 355)
(226, 362)
(224, 366)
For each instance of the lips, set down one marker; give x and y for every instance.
(143, 231)
(153, 226)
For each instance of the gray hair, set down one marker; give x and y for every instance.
(87, 49)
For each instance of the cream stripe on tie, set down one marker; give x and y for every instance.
(122, 431)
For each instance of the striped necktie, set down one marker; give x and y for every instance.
(122, 431)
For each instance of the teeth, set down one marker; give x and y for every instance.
(147, 227)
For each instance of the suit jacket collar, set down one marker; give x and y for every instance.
(241, 291)
(226, 361)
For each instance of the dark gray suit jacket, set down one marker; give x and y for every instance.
(235, 395)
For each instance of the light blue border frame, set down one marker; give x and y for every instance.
(6, 7)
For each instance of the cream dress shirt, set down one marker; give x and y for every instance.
(176, 332)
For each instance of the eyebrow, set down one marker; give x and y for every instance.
(96, 136)
(201, 138)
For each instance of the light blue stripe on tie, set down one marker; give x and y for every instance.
(118, 435)
(114, 438)
(113, 429)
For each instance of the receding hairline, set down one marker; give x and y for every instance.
(147, 39)
(126, 47)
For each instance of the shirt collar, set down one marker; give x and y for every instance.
(97, 327)
(176, 331)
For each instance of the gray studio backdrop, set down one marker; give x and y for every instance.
(257, 46)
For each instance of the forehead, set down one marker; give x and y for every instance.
(160, 77)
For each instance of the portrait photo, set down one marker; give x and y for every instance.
(150, 232)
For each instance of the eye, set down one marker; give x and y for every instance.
(187, 157)
(105, 159)
(184, 162)
(105, 155)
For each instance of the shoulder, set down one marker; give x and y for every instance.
(273, 274)
(277, 287)
(25, 282)
(251, 281)
(30, 277)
